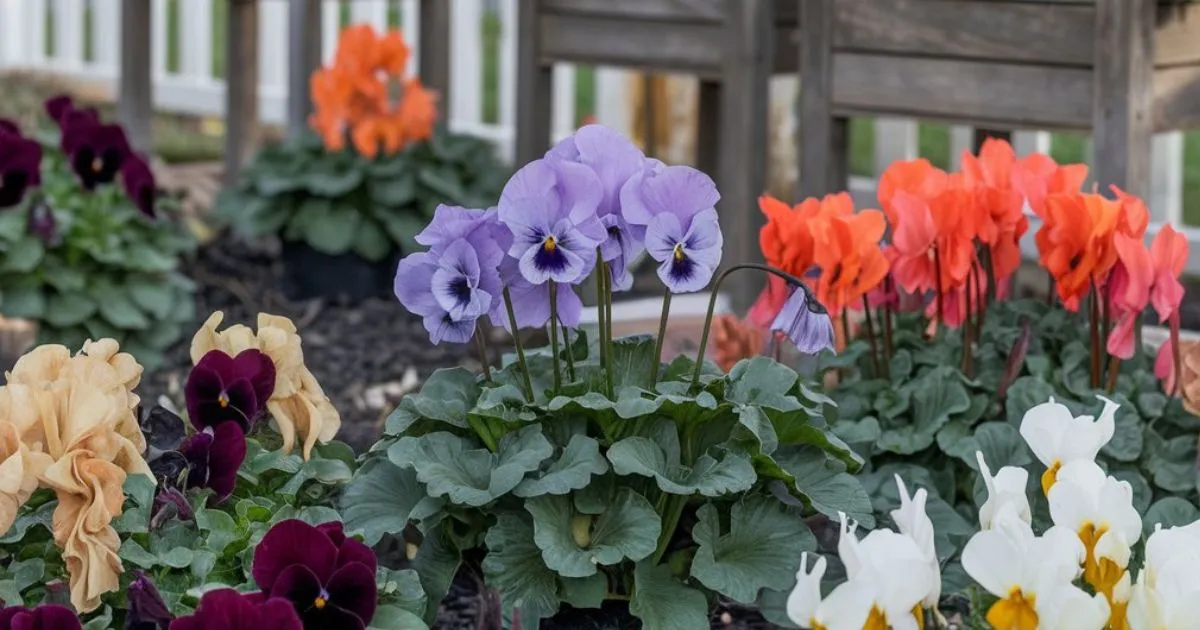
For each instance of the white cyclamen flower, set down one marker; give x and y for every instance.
(1058, 438)
(846, 608)
(1068, 607)
(895, 573)
(1006, 491)
(1099, 509)
(912, 521)
(1174, 604)
(1170, 544)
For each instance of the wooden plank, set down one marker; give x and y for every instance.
(895, 140)
(968, 91)
(687, 47)
(1176, 98)
(816, 98)
(435, 46)
(534, 83)
(241, 92)
(973, 29)
(304, 57)
(1177, 38)
(663, 10)
(135, 102)
(708, 125)
(1122, 95)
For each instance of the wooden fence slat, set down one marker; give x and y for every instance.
(331, 26)
(962, 137)
(36, 31)
(106, 25)
(895, 140)
(1026, 142)
(1122, 94)
(562, 112)
(135, 106)
(13, 43)
(158, 38)
(412, 17)
(612, 105)
(272, 42)
(509, 19)
(304, 52)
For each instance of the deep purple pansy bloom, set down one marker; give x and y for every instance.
(614, 159)
(63, 112)
(550, 208)
(221, 388)
(805, 321)
(20, 167)
(227, 609)
(44, 617)
(96, 151)
(531, 302)
(452, 285)
(329, 578)
(139, 183)
(9, 127)
(676, 206)
(170, 503)
(214, 456)
(147, 610)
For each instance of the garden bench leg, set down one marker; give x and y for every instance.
(1122, 94)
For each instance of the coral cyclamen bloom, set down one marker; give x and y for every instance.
(1058, 438)
(805, 322)
(1076, 243)
(221, 388)
(734, 340)
(851, 261)
(227, 609)
(1037, 176)
(787, 240)
(329, 578)
(677, 207)
(44, 617)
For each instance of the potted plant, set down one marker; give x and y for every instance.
(88, 246)
(348, 198)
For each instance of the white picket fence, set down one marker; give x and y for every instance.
(79, 38)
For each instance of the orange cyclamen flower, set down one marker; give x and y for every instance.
(848, 253)
(1001, 207)
(1037, 176)
(787, 240)
(1076, 242)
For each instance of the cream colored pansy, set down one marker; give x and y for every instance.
(298, 405)
(1058, 438)
(1006, 491)
(1100, 510)
(912, 521)
(20, 469)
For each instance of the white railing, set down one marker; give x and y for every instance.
(79, 38)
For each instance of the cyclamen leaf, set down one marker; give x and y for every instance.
(709, 477)
(514, 567)
(449, 467)
(761, 550)
(826, 484)
(580, 460)
(629, 528)
(663, 602)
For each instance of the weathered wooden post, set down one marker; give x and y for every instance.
(1123, 93)
(434, 54)
(304, 57)
(241, 81)
(534, 80)
(135, 98)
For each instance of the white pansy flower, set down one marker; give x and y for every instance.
(1096, 506)
(1170, 544)
(1068, 607)
(1173, 605)
(895, 573)
(912, 521)
(1058, 438)
(1006, 491)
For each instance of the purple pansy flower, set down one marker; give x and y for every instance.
(805, 321)
(44, 617)
(63, 112)
(147, 610)
(329, 578)
(9, 127)
(96, 152)
(214, 455)
(170, 503)
(42, 223)
(20, 167)
(614, 159)
(221, 388)
(550, 208)
(675, 205)
(451, 285)
(139, 183)
(227, 609)
(531, 302)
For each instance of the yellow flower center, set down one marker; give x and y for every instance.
(1050, 476)
(550, 244)
(1014, 612)
(877, 620)
(1119, 618)
(223, 400)
(815, 625)
(97, 164)
(679, 251)
(320, 602)
(1088, 535)
(919, 615)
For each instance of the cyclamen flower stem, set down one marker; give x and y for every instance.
(712, 306)
(983, 297)
(871, 335)
(516, 335)
(1114, 367)
(966, 329)
(887, 323)
(1176, 352)
(481, 343)
(554, 335)
(658, 342)
(937, 272)
(1094, 326)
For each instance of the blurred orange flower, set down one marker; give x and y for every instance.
(1037, 176)
(734, 340)
(366, 96)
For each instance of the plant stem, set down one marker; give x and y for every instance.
(887, 324)
(554, 335)
(966, 329)
(606, 304)
(989, 269)
(712, 306)
(481, 343)
(1050, 290)
(601, 270)
(983, 298)
(675, 507)
(871, 336)
(656, 360)
(516, 337)
(481, 429)
(570, 353)
(1114, 367)
(1176, 352)
(937, 272)
(1094, 326)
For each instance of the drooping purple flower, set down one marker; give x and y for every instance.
(531, 302)
(451, 286)
(805, 321)
(96, 151)
(162, 428)
(214, 456)
(44, 617)
(139, 183)
(147, 610)
(43, 224)
(221, 388)
(550, 208)
(20, 167)
(227, 609)
(170, 503)
(329, 578)
(676, 207)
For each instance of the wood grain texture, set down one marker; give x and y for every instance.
(968, 91)
(241, 93)
(435, 47)
(304, 57)
(1122, 94)
(711, 11)
(1056, 34)
(1176, 98)
(534, 82)
(689, 47)
(816, 91)
(1177, 37)
(135, 102)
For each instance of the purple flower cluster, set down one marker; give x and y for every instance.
(20, 164)
(44, 617)
(593, 191)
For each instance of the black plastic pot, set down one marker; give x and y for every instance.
(313, 274)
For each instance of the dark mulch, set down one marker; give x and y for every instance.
(365, 355)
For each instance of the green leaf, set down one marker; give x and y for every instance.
(574, 468)
(1171, 463)
(761, 550)
(514, 567)
(476, 477)
(395, 618)
(1169, 512)
(663, 602)
(1126, 443)
(1001, 444)
(102, 621)
(119, 309)
(826, 484)
(444, 182)
(153, 296)
(762, 381)
(23, 301)
(221, 528)
(136, 554)
(371, 241)
(447, 395)
(394, 192)
(332, 232)
(67, 309)
(1024, 394)
(588, 592)
(146, 257)
(574, 544)
(403, 227)
(632, 359)
(177, 558)
(935, 398)
(710, 477)
(436, 562)
(404, 588)
(333, 184)
(28, 572)
(382, 498)
(24, 255)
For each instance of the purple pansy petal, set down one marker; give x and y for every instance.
(805, 322)
(258, 368)
(662, 235)
(225, 457)
(531, 220)
(139, 183)
(570, 307)
(352, 588)
(610, 155)
(97, 152)
(58, 106)
(680, 190)
(226, 609)
(551, 261)
(146, 605)
(455, 281)
(20, 168)
(354, 551)
(441, 328)
(531, 303)
(9, 127)
(336, 533)
(449, 224)
(44, 617)
(299, 585)
(331, 617)
(277, 614)
(703, 239)
(292, 542)
(217, 391)
(573, 190)
(414, 279)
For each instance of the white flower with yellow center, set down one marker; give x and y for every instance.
(1099, 509)
(894, 575)
(1006, 491)
(846, 608)
(1057, 438)
(1023, 570)
(1167, 545)
(912, 521)
(1172, 604)
(1068, 607)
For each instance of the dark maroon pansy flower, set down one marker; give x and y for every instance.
(227, 609)
(214, 455)
(44, 617)
(222, 388)
(8, 127)
(139, 183)
(20, 168)
(170, 503)
(147, 610)
(96, 152)
(329, 578)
